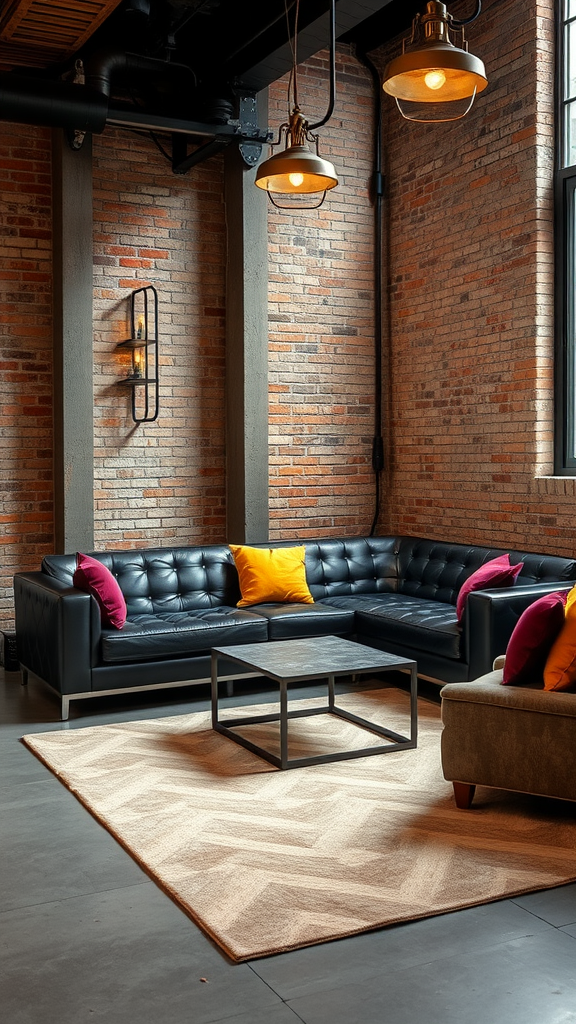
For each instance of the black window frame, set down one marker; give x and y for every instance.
(565, 265)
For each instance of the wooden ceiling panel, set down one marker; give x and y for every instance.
(37, 33)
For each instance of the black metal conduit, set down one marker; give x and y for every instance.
(378, 187)
(330, 111)
(102, 67)
(80, 107)
(52, 104)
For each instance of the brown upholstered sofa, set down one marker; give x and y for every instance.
(519, 738)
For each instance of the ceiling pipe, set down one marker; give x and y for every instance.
(104, 65)
(52, 104)
(81, 107)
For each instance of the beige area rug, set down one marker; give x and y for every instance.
(266, 860)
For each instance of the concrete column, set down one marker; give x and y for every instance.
(73, 350)
(247, 519)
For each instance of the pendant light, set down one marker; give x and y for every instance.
(431, 71)
(297, 176)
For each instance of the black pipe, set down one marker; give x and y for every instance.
(330, 111)
(378, 189)
(77, 107)
(102, 67)
(468, 21)
(52, 104)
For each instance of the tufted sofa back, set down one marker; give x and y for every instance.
(436, 570)
(164, 579)
(180, 579)
(356, 565)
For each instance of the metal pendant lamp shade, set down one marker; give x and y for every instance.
(435, 73)
(434, 70)
(296, 170)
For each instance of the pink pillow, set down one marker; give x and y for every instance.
(96, 579)
(496, 573)
(532, 639)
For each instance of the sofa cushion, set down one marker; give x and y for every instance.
(170, 634)
(271, 574)
(94, 578)
(560, 667)
(410, 622)
(532, 639)
(294, 620)
(498, 572)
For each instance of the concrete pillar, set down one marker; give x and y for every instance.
(247, 518)
(73, 350)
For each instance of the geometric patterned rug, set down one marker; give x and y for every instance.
(265, 860)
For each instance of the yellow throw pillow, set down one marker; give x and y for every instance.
(271, 574)
(560, 668)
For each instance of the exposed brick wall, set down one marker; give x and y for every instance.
(468, 371)
(26, 487)
(321, 366)
(161, 482)
(469, 379)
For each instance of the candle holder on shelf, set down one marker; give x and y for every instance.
(143, 344)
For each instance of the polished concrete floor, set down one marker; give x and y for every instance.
(86, 936)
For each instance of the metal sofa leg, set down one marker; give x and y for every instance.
(24, 677)
(65, 708)
(463, 794)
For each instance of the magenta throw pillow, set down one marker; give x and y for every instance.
(532, 639)
(94, 578)
(496, 573)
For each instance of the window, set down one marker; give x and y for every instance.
(566, 244)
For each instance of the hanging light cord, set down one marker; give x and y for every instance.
(293, 79)
(293, 42)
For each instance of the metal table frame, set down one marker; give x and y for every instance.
(388, 663)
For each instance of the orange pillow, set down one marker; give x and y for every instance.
(271, 574)
(560, 668)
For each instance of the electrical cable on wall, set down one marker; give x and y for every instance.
(379, 195)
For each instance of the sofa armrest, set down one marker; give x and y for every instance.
(57, 631)
(490, 619)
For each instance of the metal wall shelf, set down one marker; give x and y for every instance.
(143, 343)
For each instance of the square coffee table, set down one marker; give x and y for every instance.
(312, 658)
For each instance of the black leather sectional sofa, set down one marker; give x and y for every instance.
(394, 593)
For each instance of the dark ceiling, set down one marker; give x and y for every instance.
(172, 59)
(236, 35)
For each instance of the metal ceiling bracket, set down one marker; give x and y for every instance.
(250, 149)
(245, 129)
(250, 152)
(75, 136)
(182, 161)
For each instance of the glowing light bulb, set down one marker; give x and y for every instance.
(295, 179)
(435, 79)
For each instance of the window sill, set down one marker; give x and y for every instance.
(557, 485)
